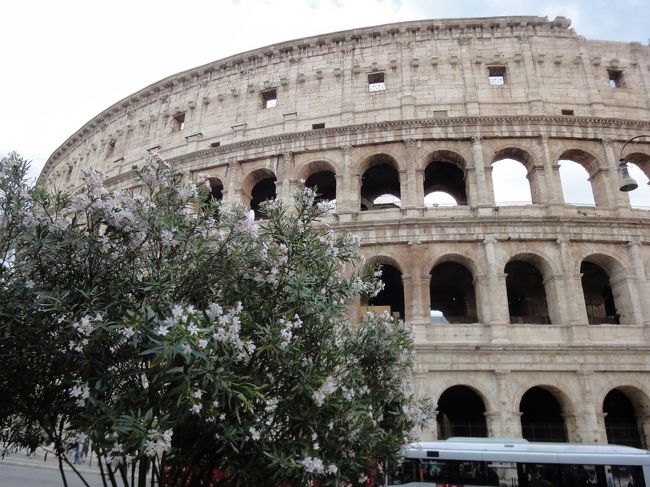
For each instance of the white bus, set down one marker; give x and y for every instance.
(478, 462)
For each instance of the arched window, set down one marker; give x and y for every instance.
(461, 412)
(380, 187)
(621, 422)
(452, 293)
(599, 298)
(510, 183)
(444, 179)
(391, 298)
(541, 416)
(526, 293)
(639, 169)
(216, 189)
(576, 187)
(262, 191)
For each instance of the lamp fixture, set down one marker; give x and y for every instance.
(627, 182)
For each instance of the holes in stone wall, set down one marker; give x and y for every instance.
(461, 412)
(526, 293)
(452, 294)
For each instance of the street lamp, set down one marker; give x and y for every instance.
(627, 182)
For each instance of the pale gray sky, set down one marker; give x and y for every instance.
(64, 61)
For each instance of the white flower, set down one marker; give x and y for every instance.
(255, 435)
(196, 408)
(197, 394)
(193, 329)
(162, 330)
(332, 469)
(186, 348)
(203, 343)
(312, 465)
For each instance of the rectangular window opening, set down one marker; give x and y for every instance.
(110, 148)
(615, 78)
(376, 82)
(567, 112)
(269, 98)
(215, 144)
(497, 75)
(316, 126)
(178, 122)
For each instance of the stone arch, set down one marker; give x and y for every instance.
(529, 278)
(640, 170)
(445, 171)
(391, 298)
(625, 408)
(322, 175)
(257, 186)
(216, 188)
(471, 264)
(310, 167)
(618, 283)
(524, 157)
(544, 412)
(452, 290)
(461, 412)
(380, 178)
(597, 177)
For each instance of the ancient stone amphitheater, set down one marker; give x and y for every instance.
(531, 319)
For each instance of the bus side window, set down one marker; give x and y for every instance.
(539, 475)
(627, 476)
(582, 475)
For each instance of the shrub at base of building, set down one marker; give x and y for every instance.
(189, 341)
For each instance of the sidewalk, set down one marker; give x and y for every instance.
(39, 460)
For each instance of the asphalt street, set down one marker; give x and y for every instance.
(33, 476)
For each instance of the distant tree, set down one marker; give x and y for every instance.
(194, 345)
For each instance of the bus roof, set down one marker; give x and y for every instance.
(503, 445)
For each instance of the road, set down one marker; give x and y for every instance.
(27, 476)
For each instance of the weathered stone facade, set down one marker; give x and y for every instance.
(556, 297)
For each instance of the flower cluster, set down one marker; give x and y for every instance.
(158, 442)
(80, 392)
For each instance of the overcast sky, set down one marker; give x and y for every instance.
(64, 61)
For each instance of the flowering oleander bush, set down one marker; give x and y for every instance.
(192, 342)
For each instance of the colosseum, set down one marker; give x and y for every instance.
(531, 319)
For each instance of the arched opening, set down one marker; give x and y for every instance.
(391, 298)
(453, 299)
(461, 412)
(445, 174)
(526, 293)
(514, 182)
(263, 190)
(380, 187)
(621, 422)
(599, 298)
(576, 187)
(639, 169)
(575, 190)
(216, 189)
(541, 417)
(215, 195)
(510, 183)
(325, 184)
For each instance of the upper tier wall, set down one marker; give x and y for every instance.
(432, 69)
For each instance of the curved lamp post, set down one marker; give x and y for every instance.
(627, 182)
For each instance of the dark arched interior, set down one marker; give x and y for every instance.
(452, 292)
(598, 295)
(526, 293)
(446, 177)
(325, 184)
(264, 190)
(381, 178)
(461, 412)
(541, 418)
(393, 293)
(620, 420)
